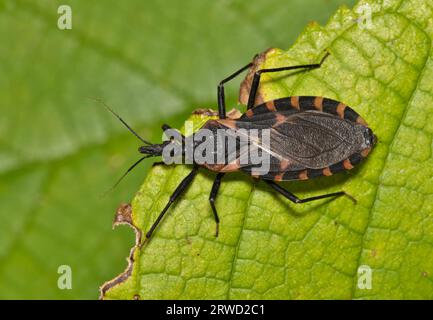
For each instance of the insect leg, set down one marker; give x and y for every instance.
(221, 96)
(212, 198)
(295, 199)
(179, 190)
(256, 79)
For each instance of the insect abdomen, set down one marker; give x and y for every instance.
(297, 123)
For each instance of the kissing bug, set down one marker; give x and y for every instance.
(310, 136)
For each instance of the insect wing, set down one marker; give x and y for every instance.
(301, 140)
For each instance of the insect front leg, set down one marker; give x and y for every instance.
(212, 198)
(257, 74)
(179, 190)
(295, 199)
(221, 96)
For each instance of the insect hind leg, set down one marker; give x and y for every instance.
(257, 74)
(221, 95)
(295, 199)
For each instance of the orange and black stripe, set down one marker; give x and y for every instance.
(305, 103)
(305, 174)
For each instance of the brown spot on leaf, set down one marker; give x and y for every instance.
(123, 216)
(245, 87)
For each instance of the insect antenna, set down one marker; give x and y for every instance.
(126, 172)
(121, 120)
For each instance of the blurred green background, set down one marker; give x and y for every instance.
(153, 62)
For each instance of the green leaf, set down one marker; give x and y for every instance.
(273, 249)
(151, 61)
